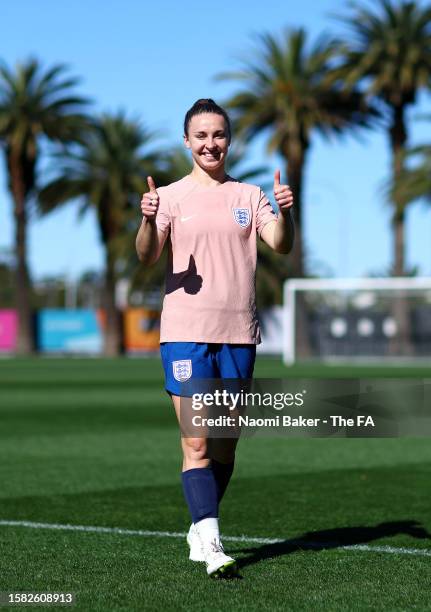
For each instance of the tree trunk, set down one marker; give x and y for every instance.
(296, 154)
(295, 169)
(25, 338)
(398, 138)
(401, 344)
(112, 344)
(398, 226)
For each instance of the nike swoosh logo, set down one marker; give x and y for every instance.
(187, 218)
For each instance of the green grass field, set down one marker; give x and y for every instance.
(95, 443)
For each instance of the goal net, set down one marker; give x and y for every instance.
(372, 319)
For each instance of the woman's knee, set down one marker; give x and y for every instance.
(195, 448)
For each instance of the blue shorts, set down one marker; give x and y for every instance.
(183, 361)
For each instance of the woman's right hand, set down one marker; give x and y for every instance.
(150, 200)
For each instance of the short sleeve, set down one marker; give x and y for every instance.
(163, 217)
(264, 213)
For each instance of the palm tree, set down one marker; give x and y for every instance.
(388, 49)
(286, 93)
(34, 103)
(107, 172)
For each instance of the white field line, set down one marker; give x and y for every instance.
(245, 539)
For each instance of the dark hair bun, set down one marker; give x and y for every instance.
(204, 102)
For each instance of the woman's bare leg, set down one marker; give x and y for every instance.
(197, 452)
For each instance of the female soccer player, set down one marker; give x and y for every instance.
(209, 325)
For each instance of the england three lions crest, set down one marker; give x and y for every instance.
(182, 369)
(242, 216)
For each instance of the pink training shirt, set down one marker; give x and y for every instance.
(210, 281)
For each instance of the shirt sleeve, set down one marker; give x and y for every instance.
(264, 213)
(163, 217)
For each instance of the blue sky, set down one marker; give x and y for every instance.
(154, 60)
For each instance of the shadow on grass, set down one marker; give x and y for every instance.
(333, 538)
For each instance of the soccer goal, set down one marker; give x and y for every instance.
(370, 319)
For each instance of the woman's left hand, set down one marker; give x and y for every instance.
(282, 194)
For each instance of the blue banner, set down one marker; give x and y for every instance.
(69, 331)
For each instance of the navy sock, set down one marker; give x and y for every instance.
(200, 491)
(222, 475)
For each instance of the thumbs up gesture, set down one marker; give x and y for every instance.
(282, 194)
(150, 200)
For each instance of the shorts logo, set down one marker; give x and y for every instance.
(241, 216)
(182, 369)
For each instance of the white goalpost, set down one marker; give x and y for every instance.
(346, 319)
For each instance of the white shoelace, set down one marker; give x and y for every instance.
(216, 547)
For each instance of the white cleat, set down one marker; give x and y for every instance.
(219, 565)
(194, 542)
